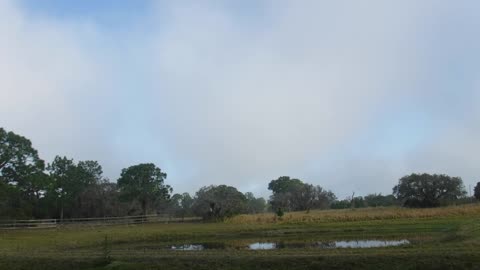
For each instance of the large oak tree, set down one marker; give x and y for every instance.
(22, 180)
(70, 180)
(425, 190)
(292, 194)
(18, 158)
(144, 183)
(219, 202)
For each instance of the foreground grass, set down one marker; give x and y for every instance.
(441, 239)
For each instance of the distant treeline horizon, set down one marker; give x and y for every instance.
(30, 188)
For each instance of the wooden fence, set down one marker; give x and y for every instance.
(105, 221)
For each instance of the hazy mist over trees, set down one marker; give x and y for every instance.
(65, 188)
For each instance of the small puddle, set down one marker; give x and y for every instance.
(370, 243)
(202, 246)
(331, 244)
(188, 247)
(295, 245)
(260, 246)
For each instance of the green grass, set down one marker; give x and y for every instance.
(438, 242)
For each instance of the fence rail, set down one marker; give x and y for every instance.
(105, 221)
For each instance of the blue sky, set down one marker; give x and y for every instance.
(345, 95)
(106, 12)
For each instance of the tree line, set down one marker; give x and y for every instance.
(64, 188)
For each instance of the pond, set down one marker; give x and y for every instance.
(370, 243)
(188, 247)
(294, 245)
(329, 244)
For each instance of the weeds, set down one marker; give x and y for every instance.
(364, 214)
(106, 250)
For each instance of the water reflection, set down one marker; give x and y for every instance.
(260, 246)
(188, 247)
(294, 245)
(202, 246)
(369, 243)
(329, 244)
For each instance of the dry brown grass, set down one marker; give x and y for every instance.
(362, 214)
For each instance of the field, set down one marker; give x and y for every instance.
(443, 238)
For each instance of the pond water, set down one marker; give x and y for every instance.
(259, 246)
(202, 246)
(293, 245)
(370, 243)
(330, 244)
(188, 247)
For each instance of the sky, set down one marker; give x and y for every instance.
(349, 95)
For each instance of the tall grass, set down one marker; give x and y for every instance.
(362, 214)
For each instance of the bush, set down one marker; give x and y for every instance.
(280, 212)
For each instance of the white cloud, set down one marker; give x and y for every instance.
(51, 85)
(252, 104)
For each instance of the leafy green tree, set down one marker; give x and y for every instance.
(255, 205)
(66, 185)
(89, 201)
(371, 200)
(186, 202)
(294, 195)
(358, 202)
(425, 190)
(34, 189)
(349, 202)
(111, 203)
(476, 191)
(219, 202)
(284, 184)
(174, 204)
(181, 204)
(375, 200)
(281, 201)
(283, 190)
(18, 158)
(101, 200)
(308, 197)
(21, 174)
(12, 204)
(279, 212)
(341, 204)
(144, 183)
(70, 181)
(91, 172)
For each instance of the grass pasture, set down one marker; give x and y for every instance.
(359, 214)
(441, 238)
